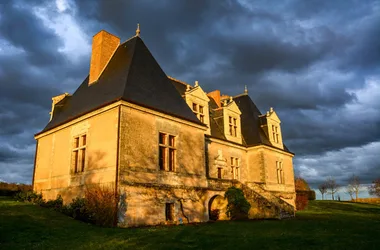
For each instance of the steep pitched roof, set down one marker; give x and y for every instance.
(179, 85)
(132, 75)
(251, 131)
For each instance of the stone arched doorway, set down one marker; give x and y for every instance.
(217, 205)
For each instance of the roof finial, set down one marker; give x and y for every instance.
(138, 30)
(245, 90)
(196, 84)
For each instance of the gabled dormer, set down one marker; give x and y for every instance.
(271, 124)
(56, 100)
(198, 101)
(231, 120)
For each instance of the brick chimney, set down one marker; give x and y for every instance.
(216, 96)
(104, 45)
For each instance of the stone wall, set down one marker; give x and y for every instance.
(54, 172)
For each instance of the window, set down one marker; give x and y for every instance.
(79, 153)
(280, 172)
(199, 112)
(220, 173)
(166, 152)
(169, 211)
(232, 126)
(235, 168)
(275, 134)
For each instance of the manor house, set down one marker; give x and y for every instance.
(170, 149)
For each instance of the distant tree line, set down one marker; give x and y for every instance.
(10, 189)
(330, 186)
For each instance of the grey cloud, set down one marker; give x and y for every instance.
(282, 50)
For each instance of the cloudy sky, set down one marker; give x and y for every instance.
(316, 62)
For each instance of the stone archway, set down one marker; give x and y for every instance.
(217, 202)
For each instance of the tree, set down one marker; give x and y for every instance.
(354, 186)
(332, 186)
(350, 191)
(301, 184)
(323, 189)
(374, 189)
(238, 206)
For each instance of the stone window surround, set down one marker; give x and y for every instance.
(232, 122)
(79, 153)
(199, 111)
(275, 133)
(235, 168)
(167, 144)
(280, 172)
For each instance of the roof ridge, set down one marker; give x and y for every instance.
(133, 56)
(179, 81)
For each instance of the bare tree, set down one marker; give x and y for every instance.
(332, 186)
(323, 189)
(354, 186)
(374, 189)
(350, 191)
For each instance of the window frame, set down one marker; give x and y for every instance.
(79, 147)
(199, 110)
(232, 124)
(167, 152)
(235, 166)
(275, 133)
(280, 172)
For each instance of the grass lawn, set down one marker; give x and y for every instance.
(324, 225)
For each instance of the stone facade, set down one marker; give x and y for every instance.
(167, 169)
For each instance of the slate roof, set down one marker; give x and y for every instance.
(251, 130)
(132, 75)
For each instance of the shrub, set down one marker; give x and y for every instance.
(56, 204)
(79, 210)
(214, 215)
(310, 194)
(101, 204)
(29, 196)
(238, 206)
(301, 200)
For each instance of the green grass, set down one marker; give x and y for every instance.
(324, 225)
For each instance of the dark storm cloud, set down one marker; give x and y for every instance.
(310, 60)
(32, 70)
(23, 30)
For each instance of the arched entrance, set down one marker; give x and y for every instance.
(217, 207)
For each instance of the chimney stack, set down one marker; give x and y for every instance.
(104, 45)
(216, 96)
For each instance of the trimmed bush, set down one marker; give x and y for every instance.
(301, 200)
(238, 206)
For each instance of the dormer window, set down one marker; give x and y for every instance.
(275, 133)
(199, 112)
(232, 126)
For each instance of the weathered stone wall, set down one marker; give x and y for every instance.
(219, 150)
(145, 205)
(139, 150)
(54, 173)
